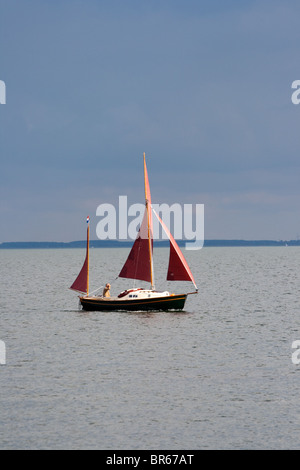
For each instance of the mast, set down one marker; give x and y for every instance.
(139, 264)
(147, 198)
(88, 256)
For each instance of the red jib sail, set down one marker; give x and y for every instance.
(137, 265)
(178, 268)
(81, 283)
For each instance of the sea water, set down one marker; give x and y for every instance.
(219, 375)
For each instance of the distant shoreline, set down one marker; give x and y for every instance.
(126, 244)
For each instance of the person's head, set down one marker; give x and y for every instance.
(107, 286)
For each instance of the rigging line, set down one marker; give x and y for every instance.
(101, 287)
(96, 290)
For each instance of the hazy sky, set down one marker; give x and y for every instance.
(203, 87)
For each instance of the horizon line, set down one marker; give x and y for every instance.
(124, 243)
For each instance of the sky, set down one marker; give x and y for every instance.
(203, 87)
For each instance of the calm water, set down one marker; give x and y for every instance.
(217, 376)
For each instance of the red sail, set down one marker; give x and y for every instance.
(148, 195)
(137, 265)
(178, 268)
(139, 261)
(81, 283)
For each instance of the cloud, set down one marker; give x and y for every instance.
(202, 87)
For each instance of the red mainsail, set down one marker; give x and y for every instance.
(137, 265)
(139, 262)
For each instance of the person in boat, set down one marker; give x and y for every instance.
(106, 291)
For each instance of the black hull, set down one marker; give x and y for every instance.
(174, 302)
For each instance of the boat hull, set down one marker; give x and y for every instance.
(173, 302)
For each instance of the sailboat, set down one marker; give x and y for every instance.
(139, 266)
